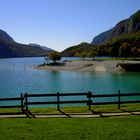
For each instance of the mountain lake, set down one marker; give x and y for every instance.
(17, 76)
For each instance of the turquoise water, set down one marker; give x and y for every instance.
(17, 76)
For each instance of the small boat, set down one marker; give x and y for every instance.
(130, 66)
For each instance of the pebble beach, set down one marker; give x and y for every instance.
(98, 66)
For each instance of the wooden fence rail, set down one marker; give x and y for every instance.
(88, 98)
(20, 105)
(57, 101)
(119, 101)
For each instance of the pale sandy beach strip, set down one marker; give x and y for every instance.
(98, 66)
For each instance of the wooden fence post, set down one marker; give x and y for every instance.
(58, 101)
(119, 99)
(22, 98)
(89, 95)
(26, 102)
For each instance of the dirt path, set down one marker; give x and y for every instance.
(71, 115)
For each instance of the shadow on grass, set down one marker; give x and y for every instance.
(28, 114)
(97, 113)
(63, 113)
(70, 113)
(131, 112)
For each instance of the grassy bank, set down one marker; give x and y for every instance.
(104, 128)
(100, 109)
(127, 128)
(110, 59)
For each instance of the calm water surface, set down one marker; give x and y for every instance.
(17, 75)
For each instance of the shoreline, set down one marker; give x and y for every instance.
(85, 66)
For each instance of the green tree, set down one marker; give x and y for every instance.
(99, 53)
(139, 52)
(54, 56)
(125, 50)
(134, 52)
(115, 49)
(77, 54)
(83, 55)
(92, 54)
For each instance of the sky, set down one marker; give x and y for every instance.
(59, 24)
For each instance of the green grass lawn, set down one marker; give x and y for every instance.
(110, 59)
(82, 109)
(114, 128)
(104, 128)
(121, 58)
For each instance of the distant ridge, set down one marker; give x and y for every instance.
(10, 48)
(71, 51)
(129, 25)
(43, 47)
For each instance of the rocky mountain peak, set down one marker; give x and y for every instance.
(129, 25)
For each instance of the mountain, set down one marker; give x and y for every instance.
(10, 48)
(109, 43)
(43, 47)
(127, 26)
(5, 37)
(82, 47)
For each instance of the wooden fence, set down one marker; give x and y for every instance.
(89, 99)
(57, 102)
(119, 101)
(15, 105)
